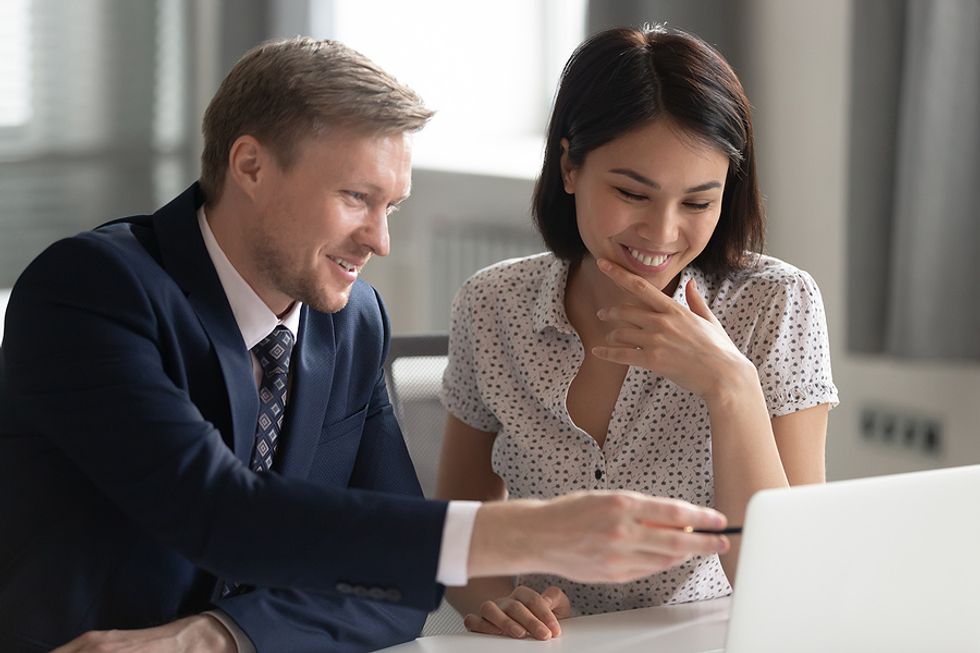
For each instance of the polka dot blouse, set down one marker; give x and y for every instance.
(513, 355)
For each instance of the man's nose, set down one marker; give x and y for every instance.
(374, 232)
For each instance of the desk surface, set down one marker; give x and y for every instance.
(689, 628)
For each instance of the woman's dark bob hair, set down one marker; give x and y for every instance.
(622, 79)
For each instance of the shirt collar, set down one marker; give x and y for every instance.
(255, 319)
(687, 274)
(549, 306)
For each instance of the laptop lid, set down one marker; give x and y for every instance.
(889, 563)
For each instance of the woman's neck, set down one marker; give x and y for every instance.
(586, 291)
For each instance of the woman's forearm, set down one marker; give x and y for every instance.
(743, 448)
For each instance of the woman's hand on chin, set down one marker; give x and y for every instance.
(689, 346)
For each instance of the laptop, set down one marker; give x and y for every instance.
(888, 563)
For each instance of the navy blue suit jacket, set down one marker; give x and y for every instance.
(127, 419)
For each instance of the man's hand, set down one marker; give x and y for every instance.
(197, 634)
(591, 537)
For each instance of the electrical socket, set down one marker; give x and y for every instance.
(900, 428)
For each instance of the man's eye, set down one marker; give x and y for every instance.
(360, 197)
(630, 196)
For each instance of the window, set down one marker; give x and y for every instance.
(489, 70)
(93, 116)
(15, 78)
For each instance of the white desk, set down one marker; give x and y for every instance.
(689, 628)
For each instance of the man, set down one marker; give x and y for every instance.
(200, 451)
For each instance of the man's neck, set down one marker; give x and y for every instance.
(227, 219)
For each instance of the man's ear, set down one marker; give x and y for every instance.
(247, 160)
(567, 169)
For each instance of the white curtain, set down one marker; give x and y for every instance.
(933, 307)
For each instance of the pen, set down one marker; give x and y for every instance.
(731, 530)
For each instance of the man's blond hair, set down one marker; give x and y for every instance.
(282, 92)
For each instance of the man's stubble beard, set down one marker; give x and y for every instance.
(275, 267)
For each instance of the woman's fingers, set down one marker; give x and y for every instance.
(639, 316)
(522, 614)
(635, 347)
(637, 286)
(697, 304)
(496, 616)
(540, 618)
(477, 624)
(561, 607)
(633, 337)
(689, 347)
(623, 356)
(651, 296)
(525, 612)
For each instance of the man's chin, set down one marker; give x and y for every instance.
(328, 302)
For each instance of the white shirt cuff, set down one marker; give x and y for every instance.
(242, 642)
(454, 554)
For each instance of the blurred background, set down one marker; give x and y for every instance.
(865, 116)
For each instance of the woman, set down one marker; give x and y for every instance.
(650, 349)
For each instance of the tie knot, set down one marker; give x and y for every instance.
(273, 351)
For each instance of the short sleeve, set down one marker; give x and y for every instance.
(790, 347)
(460, 393)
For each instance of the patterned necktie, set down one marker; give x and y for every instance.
(273, 354)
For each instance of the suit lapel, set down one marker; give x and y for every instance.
(186, 259)
(312, 370)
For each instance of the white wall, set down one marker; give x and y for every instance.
(800, 72)
(404, 277)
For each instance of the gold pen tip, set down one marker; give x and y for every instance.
(688, 529)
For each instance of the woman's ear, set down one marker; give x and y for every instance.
(567, 169)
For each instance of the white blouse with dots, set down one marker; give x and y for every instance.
(513, 355)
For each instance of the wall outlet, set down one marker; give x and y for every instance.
(895, 427)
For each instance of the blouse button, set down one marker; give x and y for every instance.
(598, 474)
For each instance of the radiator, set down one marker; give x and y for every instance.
(460, 249)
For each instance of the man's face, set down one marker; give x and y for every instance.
(319, 221)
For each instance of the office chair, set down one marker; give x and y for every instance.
(413, 374)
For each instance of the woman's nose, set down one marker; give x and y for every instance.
(659, 226)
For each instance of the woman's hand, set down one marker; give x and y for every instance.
(688, 346)
(523, 612)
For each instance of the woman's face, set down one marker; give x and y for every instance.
(648, 200)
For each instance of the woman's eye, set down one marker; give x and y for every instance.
(697, 206)
(630, 196)
(355, 195)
